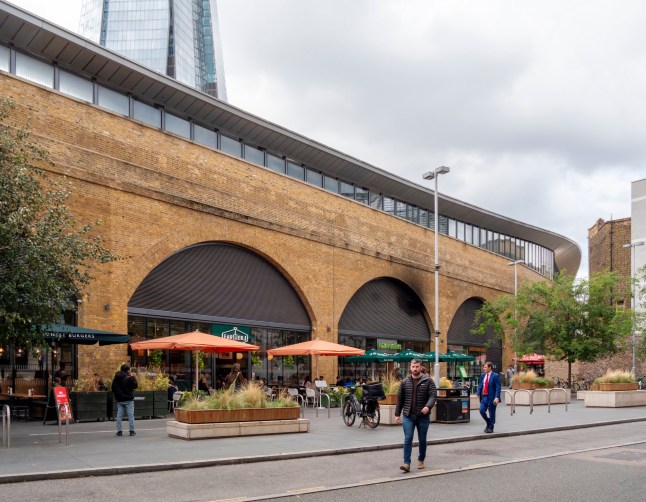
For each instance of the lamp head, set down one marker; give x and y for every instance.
(439, 170)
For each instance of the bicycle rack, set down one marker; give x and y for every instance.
(512, 401)
(6, 426)
(321, 395)
(549, 393)
(531, 401)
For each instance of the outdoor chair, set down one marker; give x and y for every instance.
(295, 395)
(310, 397)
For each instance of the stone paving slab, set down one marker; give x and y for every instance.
(93, 449)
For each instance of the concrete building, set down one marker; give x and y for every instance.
(638, 235)
(179, 38)
(230, 223)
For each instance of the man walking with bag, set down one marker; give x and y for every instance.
(415, 399)
(489, 394)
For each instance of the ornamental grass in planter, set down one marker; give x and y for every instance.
(616, 380)
(249, 404)
(391, 386)
(529, 380)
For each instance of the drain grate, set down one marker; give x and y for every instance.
(474, 451)
(630, 456)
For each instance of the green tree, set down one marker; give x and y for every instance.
(46, 256)
(572, 320)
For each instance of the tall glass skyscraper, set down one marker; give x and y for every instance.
(176, 37)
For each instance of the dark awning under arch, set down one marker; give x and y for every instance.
(220, 283)
(385, 308)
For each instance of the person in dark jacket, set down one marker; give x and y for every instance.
(123, 386)
(415, 399)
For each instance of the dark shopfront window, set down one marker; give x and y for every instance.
(280, 371)
(181, 364)
(356, 371)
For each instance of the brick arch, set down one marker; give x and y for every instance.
(162, 250)
(462, 323)
(387, 303)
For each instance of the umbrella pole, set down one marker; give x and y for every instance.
(197, 368)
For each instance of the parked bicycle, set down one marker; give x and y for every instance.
(367, 408)
(564, 384)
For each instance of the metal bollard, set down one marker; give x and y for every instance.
(6, 426)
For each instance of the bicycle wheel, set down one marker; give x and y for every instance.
(372, 419)
(349, 415)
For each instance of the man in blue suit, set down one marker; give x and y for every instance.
(489, 394)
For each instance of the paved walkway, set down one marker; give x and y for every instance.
(93, 449)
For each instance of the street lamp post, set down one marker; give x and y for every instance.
(632, 299)
(515, 264)
(433, 175)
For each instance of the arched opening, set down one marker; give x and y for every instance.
(383, 314)
(221, 289)
(486, 347)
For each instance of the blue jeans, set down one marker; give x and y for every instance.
(486, 404)
(129, 408)
(420, 423)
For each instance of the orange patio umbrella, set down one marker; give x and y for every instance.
(316, 348)
(197, 342)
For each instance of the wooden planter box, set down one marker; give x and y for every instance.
(528, 386)
(89, 405)
(390, 399)
(619, 386)
(242, 415)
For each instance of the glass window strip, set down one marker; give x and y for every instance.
(535, 256)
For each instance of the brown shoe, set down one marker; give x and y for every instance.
(420, 464)
(405, 467)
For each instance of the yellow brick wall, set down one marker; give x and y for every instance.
(156, 194)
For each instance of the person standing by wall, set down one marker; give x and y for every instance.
(510, 376)
(489, 394)
(415, 399)
(123, 386)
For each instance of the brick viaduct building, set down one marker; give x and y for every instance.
(161, 194)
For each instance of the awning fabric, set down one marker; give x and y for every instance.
(532, 359)
(82, 336)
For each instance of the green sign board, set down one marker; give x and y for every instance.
(389, 345)
(237, 333)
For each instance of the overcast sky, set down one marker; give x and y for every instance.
(539, 108)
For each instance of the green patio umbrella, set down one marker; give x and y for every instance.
(371, 356)
(456, 357)
(407, 355)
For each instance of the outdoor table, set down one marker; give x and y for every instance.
(19, 396)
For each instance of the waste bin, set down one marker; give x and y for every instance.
(452, 406)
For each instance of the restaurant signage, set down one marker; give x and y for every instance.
(237, 333)
(389, 345)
